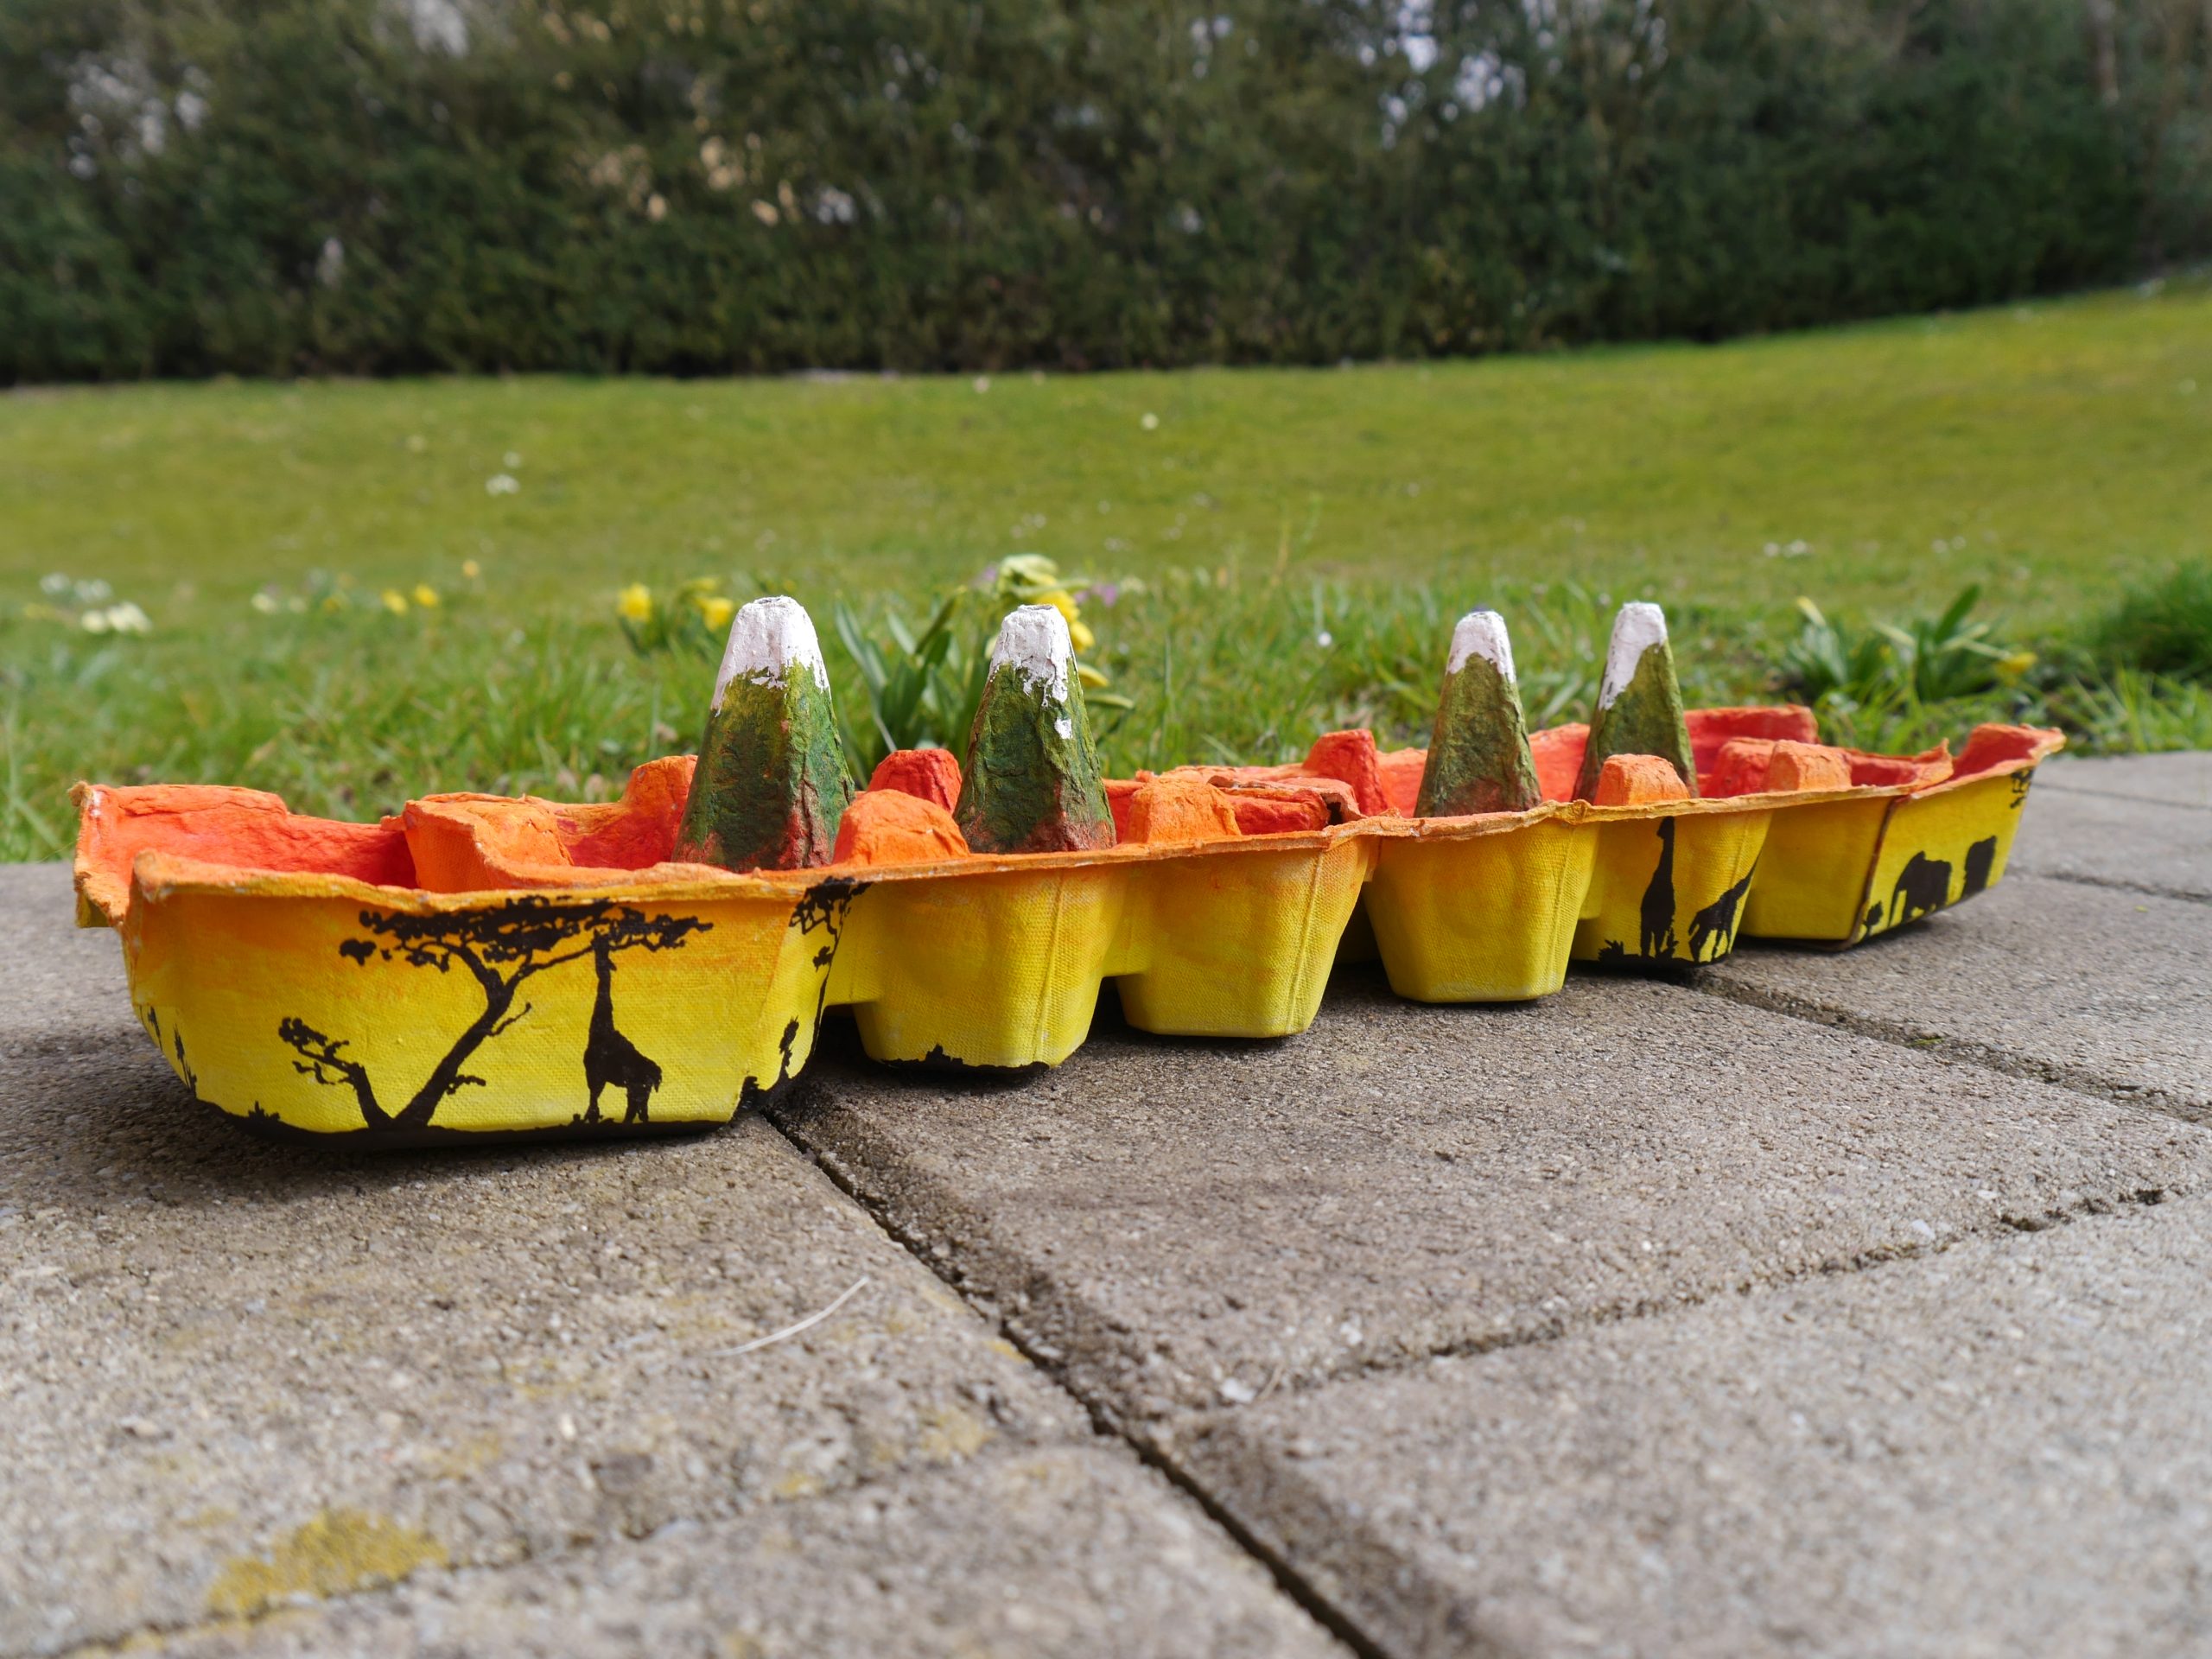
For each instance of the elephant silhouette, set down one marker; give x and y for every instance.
(1981, 857)
(1924, 885)
(1657, 919)
(1717, 921)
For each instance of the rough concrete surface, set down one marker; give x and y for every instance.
(64, 983)
(1067, 1551)
(2116, 840)
(2178, 779)
(2006, 1448)
(226, 1366)
(1188, 1223)
(2103, 989)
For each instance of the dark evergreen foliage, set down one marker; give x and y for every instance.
(271, 186)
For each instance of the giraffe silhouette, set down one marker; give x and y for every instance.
(1658, 912)
(1717, 921)
(611, 1058)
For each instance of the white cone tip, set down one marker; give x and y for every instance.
(1639, 627)
(1482, 633)
(768, 638)
(1034, 641)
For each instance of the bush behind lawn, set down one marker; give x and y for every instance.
(288, 186)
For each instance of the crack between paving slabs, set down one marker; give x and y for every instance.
(2113, 884)
(1109, 1422)
(2067, 788)
(1957, 1051)
(1104, 1421)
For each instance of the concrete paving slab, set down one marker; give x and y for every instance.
(2182, 779)
(2004, 1448)
(1185, 1224)
(2116, 840)
(231, 1372)
(1064, 1552)
(64, 983)
(2105, 990)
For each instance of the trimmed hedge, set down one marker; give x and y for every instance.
(271, 186)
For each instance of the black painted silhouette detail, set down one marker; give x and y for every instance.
(824, 906)
(1657, 917)
(500, 949)
(1924, 884)
(2020, 780)
(1981, 858)
(1717, 921)
(609, 1056)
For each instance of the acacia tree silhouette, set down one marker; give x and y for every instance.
(500, 949)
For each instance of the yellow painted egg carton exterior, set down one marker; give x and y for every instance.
(478, 967)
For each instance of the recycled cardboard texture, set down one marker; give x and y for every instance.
(479, 965)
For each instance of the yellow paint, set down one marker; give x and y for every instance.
(1705, 874)
(1484, 914)
(1937, 845)
(217, 971)
(1843, 872)
(950, 1432)
(287, 997)
(1814, 871)
(338, 1552)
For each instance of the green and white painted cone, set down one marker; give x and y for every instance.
(1032, 783)
(1478, 758)
(771, 784)
(1639, 700)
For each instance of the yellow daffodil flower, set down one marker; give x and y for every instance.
(395, 602)
(716, 611)
(2015, 664)
(635, 603)
(1091, 677)
(426, 595)
(1080, 636)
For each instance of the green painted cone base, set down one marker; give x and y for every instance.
(771, 784)
(1478, 758)
(1639, 700)
(1032, 784)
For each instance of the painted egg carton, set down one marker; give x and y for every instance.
(479, 965)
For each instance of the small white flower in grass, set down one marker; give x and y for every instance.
(127, 618)
(1150, 422)
(502, 484)
(1324, 639)
(510, 461)
(982, 383)
(266, 602)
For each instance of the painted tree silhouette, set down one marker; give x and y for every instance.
(501, 949)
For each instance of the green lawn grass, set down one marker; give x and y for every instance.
(2051, 452)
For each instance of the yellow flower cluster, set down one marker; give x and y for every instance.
(1032, 579)
(422, 594)
(653, 625)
